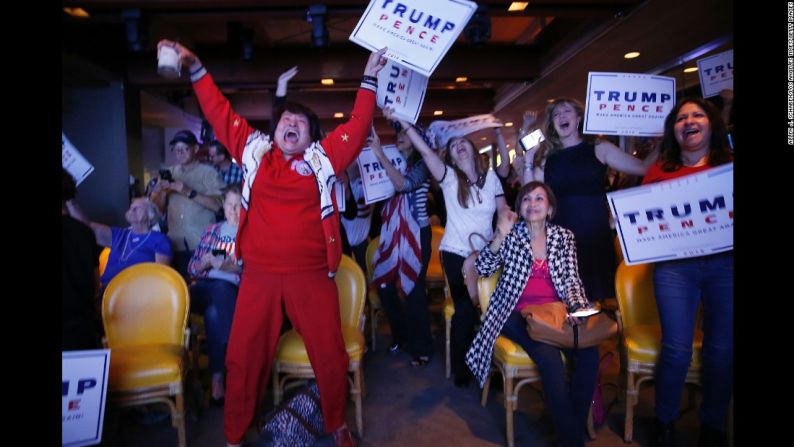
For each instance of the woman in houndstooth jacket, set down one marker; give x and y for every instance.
(539, 265)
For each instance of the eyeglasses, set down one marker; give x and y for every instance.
(180, 149)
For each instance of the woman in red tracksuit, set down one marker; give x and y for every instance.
(289, 241)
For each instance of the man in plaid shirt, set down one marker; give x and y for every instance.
(220, 158)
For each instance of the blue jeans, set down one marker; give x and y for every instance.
(680, 287)
(215, 299)
(568, 403)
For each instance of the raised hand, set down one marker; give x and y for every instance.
(505, 221)
(283, 80)
(375, 62)
(374, 141)
(186, 56)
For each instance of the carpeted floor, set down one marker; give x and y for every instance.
(418, 407)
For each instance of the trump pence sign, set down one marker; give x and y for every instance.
(675, 219)
(417, 33)
(628, 103)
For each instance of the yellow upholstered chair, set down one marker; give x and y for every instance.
(509, 358)
(618, 250)
(292, 360)
(145, 310)
(435, 272)
(513, 362)
(103, 260)
(641, 334)
(375, 308)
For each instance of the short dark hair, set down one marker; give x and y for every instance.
(531, 186)
(315, 132)
(220, 148)
(231, 188)
(68, 187)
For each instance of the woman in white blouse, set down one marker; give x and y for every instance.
(472, 194)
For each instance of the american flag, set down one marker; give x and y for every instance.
(399, 251)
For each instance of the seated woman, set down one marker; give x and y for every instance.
(139, 242)
(214, 293)
(538, 262)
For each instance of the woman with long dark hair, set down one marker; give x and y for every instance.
(695, 139)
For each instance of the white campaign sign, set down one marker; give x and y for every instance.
(417, 33)
(441, 131)
(716, 73)
(376, 182)
(73, 161)
(627, 103)
(84, 383)
(402, 89)
(681, 218)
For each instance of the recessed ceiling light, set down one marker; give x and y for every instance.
(327, 81)
(461, 79)
(517, 6)
(77, 12)
(631, 54)
(339, 115)
(509, 124)
(690, 69)
(483, 138)
(438, 113)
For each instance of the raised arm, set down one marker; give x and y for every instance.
(103, 234)
(396, 177)
(346, 141)
(281, 95)
(434, 163)
(615, 158)
(230, 128)
(531, 173)
(503, 168)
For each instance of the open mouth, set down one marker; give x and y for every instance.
(565, 125)
(692, 131)
(291, 136)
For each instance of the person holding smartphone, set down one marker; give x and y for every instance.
(216, 271)
(539, 265)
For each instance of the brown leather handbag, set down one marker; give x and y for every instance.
(547, 323)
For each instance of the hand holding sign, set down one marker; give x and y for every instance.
(375, 63)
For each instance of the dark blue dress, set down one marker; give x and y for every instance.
(578, 181)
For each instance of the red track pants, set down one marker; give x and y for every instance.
(312, 305)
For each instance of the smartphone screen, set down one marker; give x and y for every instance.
(531, 139)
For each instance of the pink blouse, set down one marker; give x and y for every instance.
(539, 288)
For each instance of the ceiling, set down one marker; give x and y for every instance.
(542, 52)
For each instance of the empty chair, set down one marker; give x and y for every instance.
(145, 310)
